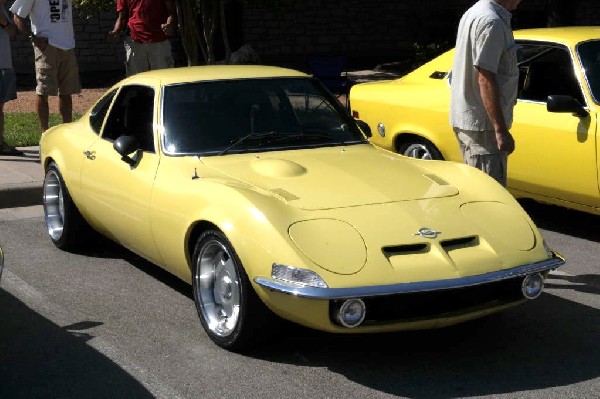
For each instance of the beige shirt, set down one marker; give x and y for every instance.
(484, 40)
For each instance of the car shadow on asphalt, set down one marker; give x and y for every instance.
(550, 342)
(39, 359)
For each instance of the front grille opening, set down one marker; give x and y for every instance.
(407, 249)
(423, 305)
(459, 243)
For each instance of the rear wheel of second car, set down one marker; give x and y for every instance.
(416, 147)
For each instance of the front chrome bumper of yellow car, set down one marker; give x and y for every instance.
(414, 287)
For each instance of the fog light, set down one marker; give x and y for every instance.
(351, 313)
(532, 286)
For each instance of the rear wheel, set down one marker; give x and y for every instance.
(419, 148)
(66, 227)
(229, 309)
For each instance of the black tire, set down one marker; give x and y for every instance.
(66, 227)
(419, 148)
(230, 311)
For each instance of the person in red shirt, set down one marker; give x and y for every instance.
(147, 24)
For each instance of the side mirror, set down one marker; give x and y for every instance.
(364, 127)
(561, 103)
(126, 145)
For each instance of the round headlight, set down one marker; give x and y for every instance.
(532, 286)
(351, 313)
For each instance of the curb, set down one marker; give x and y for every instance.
(21, 179)
(20, 195)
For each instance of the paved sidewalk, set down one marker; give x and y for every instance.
(21, 179)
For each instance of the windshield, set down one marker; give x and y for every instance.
(589, 54)
(247, 115)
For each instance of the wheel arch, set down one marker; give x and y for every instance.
(405, 137)
(195, 231)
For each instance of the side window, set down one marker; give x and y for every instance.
(132, 115)
(547, 69)
(99, 111)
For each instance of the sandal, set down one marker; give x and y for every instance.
(6, 149)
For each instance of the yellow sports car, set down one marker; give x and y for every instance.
(256, 186)
(555, 120)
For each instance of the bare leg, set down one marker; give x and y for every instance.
(65, 106)
(42, 111)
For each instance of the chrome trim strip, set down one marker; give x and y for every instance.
(405, 288)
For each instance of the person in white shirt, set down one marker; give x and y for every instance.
(484, 81)
(56, 71)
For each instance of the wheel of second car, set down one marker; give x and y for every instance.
(229, 309)
(420, 149)
(66, 227)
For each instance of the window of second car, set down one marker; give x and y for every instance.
(99, 111)
(132, 114)
(546, 69)
(589, 54)
(229, 116)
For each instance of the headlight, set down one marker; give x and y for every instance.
(296, 275)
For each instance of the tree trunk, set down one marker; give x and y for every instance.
(186, 17)
(224, 34)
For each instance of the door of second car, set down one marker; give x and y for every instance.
(118, 190)
(555, 154)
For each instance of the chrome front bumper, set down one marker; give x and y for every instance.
(404, 288)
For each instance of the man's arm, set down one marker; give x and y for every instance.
(490, 94)
(4, 21)
(25, 28)
(120, 25)
(169, 26)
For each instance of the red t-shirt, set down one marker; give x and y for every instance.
(145, 19)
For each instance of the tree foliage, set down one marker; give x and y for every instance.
(88, 8)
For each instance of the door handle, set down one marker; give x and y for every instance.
(90, 154)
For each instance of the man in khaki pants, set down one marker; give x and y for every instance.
(484, 81)
(53, 39)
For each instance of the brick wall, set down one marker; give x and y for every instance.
(369, 32)
(376, 30)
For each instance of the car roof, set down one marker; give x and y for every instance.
(211, 73)
(570, 35)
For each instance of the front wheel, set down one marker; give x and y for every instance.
(420, 148)
(229, 309)
(66, 227)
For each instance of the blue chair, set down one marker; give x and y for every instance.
(331, 71)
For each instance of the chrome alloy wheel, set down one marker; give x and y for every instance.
(54, 204)
(217, 288)
(418, 150)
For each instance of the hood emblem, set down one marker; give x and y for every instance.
(426, 232)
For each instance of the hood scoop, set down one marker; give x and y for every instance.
(334, 177)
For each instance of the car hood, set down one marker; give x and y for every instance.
(334, 177)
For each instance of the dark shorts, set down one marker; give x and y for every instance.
(56, 71)
(8, 85)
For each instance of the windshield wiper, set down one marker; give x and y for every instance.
(251, 136)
